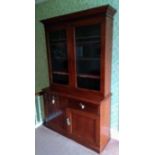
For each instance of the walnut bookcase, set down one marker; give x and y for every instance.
(79, 49)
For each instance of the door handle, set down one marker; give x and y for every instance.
(82, 106)
(68, 121)
(53, 100)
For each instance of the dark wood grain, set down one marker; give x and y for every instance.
(90, 125)
(84, 126)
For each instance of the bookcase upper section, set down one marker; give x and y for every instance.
(79, 50)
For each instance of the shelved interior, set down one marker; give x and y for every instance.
(88, 56)
(87, 45)
(58, 46)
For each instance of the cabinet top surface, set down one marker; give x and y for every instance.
(83, 96)
(102, 10)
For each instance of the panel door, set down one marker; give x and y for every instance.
(83, 126)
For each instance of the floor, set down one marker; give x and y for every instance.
(48, 142)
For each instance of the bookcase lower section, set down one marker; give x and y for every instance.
(84, 122)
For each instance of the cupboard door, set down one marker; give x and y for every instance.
(83, 126)
(88, 56)
(59, 57)
(56, 112)
(52, 104)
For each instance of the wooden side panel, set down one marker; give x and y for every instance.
(107, 55)
(104, 122)
(45, 98)
(102, 59)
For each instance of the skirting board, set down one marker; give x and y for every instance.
(38, 124)
(114, 134)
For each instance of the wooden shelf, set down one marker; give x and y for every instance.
(87, 59)
(58, 58)
(58, 40)
(81, 42)
(88, 76)
(60, 73)
(89, 37)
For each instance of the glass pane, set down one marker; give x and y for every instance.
(88, 31)
(61, 79)
(58, 35)
(89, 83)
(87, 66)
(59, 65)
(55, 115)
(58, 47)
(88, 55)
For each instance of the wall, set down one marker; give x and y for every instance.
(53, 8)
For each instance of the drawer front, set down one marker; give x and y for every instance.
(84, 106)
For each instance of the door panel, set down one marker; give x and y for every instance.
(56, 112)
(58, 56)
(88, 56)
(83, 126)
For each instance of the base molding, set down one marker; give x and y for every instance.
(114, 134)
(38, 124)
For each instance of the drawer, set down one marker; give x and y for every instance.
(84, 106)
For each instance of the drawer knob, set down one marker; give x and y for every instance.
(82, 106)
(53, 100)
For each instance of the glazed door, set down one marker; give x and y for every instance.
(58, 59)
(88, 50)
(55, 108)
(83, 126)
